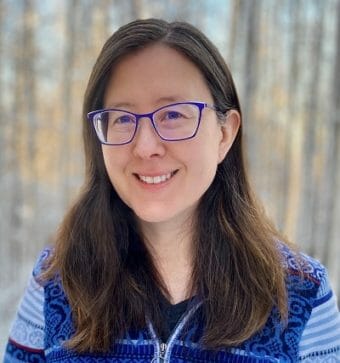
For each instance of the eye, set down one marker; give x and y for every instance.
(172, 115)
(124, 119)
(117, 118)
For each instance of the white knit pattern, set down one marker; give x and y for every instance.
(28, 326)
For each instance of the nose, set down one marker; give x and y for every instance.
(147, 143)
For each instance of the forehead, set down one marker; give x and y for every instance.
(156, 71)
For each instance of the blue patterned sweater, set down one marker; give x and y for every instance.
(44, 322)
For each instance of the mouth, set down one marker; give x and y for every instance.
(158, 179)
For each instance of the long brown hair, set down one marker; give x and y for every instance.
(106, 270)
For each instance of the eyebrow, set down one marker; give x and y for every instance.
(120, 105)
(165, 99)
(169, 99)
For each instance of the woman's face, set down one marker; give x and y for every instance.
(160, 180)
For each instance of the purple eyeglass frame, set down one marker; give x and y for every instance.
(201, 105)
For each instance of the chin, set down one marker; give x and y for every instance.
(163, 214)
(150, 217)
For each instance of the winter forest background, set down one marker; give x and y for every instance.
(285, 58)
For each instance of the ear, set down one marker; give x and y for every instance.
(228, 133)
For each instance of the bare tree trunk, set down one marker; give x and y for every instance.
(232, 30)
(2, 105)
(278, 110)
(105, 19)
(29, 76)
(86, 22)
(194, 13)
(67, 99)
(136, 9)
(329, 194)
(29, 94)
(291, 178)
(308, 185)
(16, 198)
(252, 18)
(3, 143)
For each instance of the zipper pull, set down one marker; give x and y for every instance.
(162, 352)
(162, 349)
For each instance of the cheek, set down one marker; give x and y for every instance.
(113, 164)
(204, 161)
(108, 162)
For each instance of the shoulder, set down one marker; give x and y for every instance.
(311, 295)
(56, 309)
(42, 262)
(304, 269)
(312, 313)
(27, 334)
(307, 287)
(313, 303)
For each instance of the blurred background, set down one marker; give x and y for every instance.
(285, 58)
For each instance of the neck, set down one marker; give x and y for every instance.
(170, 245)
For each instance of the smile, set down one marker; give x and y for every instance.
(156, 179)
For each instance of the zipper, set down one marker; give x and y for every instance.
(161, 356)
(162, 348)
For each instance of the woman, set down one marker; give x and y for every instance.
(166, 256)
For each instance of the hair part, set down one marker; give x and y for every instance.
(105, 268)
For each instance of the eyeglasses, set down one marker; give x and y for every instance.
(174, 122)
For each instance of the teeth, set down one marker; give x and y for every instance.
(155, 179)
